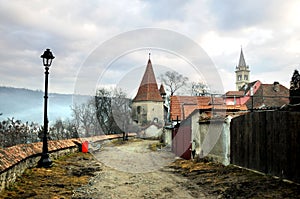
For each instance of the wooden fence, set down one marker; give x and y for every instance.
(268, 142)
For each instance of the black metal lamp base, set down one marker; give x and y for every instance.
(45, 161)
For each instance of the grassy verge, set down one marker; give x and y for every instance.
(59, 181)
(233, 182)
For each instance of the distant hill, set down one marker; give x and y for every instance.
(28, 105)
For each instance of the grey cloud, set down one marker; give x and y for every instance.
(232, 14)
(167, 10)
(72, 29)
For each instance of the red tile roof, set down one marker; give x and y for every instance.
(182, 106)
(268, 96)
(186, 103)
(234, 93)
(12, 155)
(148, 90)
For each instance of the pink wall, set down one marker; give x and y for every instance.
(244, 99)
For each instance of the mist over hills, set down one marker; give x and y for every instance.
(28, 105)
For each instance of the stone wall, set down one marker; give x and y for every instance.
(14, 160)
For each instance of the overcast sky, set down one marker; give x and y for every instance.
(83, 34)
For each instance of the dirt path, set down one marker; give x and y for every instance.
(133, 171)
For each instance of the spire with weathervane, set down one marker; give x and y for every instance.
(148, 90)
(242, 72)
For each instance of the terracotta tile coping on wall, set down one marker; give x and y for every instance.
(12, 155)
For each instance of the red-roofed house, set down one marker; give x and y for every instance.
(269, 96)
(182, 106)
(265, 96)
(201, 121)
(243, 95)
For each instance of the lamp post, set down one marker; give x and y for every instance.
(45, 160)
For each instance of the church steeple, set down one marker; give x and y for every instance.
(242, 72)
(148, 90)
(242, 62)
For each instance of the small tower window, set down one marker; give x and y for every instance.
(239, 77)
(245, 77)
(138, 110)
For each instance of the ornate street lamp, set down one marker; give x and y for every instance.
(45, 160)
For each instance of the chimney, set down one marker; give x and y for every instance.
(276, 87)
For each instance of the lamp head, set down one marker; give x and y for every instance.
(47, 58)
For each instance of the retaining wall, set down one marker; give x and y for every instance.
(14, 160)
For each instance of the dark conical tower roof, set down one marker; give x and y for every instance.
(162, 89)
(242, 62)
(148, 90)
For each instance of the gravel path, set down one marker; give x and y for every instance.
(133, 171)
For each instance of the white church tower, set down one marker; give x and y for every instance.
(242, 72)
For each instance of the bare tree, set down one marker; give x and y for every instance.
(55, 132)
(173, 81)
(121, 110)
(199, 89)
(63, 130)
(85, 116)
(112, 110)
(104, 111)
(71, 127)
